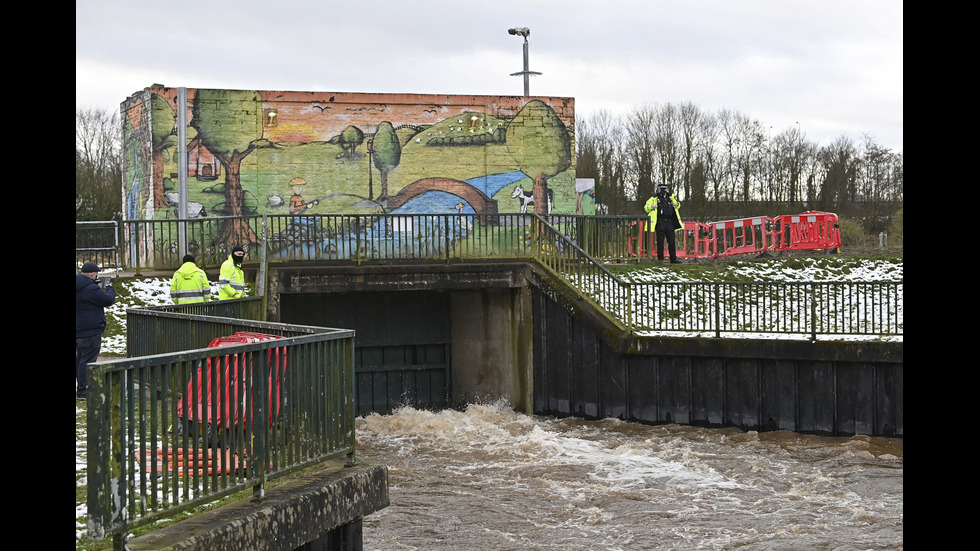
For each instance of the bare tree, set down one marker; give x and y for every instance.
(666, 145)
(708, 154)
(98, 165)
(839, 187)
(801, 155)
(600, 156)
(877, 184)
(639, 134)
(723, 160)
(691, 118)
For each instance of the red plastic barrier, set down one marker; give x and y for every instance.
(743, 236)
(231, 375)
(691, 242)
(696, 241)
(201, 462)
(807, 231)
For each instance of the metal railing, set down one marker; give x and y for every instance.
(790, 308)
(809, 309)
(574, 247)
(156, 244)
(171, 328)
(97, 242)
(175, 430)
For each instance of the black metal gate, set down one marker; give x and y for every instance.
(391, 376)
(402, 343)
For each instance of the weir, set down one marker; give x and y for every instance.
(447, 334)
(432, 335)
(438, 335)
(517, 311)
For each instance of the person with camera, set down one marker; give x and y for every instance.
(92, 296)
(665, 219)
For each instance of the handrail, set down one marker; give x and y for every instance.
(150, 456)
(806, 309)
(574, 246)
(98, 242)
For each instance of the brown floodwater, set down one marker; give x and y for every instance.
(489, 478)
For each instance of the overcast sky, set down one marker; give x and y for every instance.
(835, 67)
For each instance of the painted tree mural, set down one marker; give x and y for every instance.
(387, 154)
(350, 138)
(539, 142)
(229, 125)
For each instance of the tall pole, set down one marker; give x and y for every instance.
(181, 171)
(525, 32)
(527, 74)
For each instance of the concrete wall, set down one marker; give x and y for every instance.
(321, 509)
(517, 334)
(491, 347)
(584, 366)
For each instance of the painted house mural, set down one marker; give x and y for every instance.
(323, 153)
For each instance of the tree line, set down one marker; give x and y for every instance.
(98, 165)
(727, 165)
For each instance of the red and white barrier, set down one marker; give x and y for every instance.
(810, 230)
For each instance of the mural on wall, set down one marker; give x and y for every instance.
(309, 153)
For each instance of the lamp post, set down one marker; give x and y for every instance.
(525, 32)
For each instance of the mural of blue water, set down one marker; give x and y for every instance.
(423, 227)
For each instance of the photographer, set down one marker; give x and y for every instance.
(665, 219)
(92, 296)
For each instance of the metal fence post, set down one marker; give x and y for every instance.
(260, 422)
(813, 311)
(263, 258)
(717, 292)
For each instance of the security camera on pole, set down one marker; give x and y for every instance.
(525, 32)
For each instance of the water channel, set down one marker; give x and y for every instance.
(489, 478)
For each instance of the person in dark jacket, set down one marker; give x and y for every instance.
(91, 299)
(665, 219)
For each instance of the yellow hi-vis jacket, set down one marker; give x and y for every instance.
(231, 280)
(189, 284)
(651, 208)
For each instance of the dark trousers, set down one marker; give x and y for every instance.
(86, 351)
(671, 238)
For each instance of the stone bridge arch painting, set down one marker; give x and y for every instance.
(308, 153)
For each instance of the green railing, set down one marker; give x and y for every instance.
(155, 244)
(787, 308)
(174, 430)
(574, 247)
(97, 242)
(172, 328)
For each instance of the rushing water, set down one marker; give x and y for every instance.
(488, 478)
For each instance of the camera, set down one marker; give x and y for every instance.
(105, 281)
